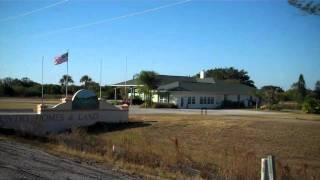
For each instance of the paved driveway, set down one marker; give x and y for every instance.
(137, 110)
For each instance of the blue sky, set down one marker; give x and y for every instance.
(272, 40)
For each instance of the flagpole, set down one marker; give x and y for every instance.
(42, 81)
(125, 82)
(100, 75)
(67, 75)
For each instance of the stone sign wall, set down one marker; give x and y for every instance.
(65, 115)
(53, 122)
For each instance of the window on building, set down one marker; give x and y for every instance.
(225, 97)
(204, 100)
(189, 100)
(201, 100)
(238, 97)
(211, 100)
(193, 100)
(163, 98)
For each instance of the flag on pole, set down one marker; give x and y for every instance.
(61, 59)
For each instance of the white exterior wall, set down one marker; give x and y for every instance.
(232, 97)
(155, 98)
(175, 98)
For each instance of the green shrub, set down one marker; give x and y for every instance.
(164, 105)
(137, 101)
(33, 91)
(275, 107)
(115, 102)
(311, 105)
(231, 104)
(290, 105)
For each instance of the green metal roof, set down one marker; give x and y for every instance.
(220, 87)
(185, 83)
(160, 79)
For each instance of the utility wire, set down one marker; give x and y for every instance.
(112, 19)
(33, 11)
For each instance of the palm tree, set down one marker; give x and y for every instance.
(64, 78)
(85, 80)
(148, 80)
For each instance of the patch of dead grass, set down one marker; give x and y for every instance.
(193, 146)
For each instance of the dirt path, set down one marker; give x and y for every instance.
(20, 161)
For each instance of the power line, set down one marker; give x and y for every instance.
(33, 11)
(113, 19)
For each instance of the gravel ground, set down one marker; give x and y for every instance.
(20, 161)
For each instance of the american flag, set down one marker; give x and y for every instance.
(61, 59)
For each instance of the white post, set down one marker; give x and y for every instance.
(263, 168)
(267, 168)
(270, 167)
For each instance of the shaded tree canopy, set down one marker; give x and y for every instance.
(317, 89)
(85, 80)
(317, 86)
(148, 80)
(271, 94)
(310, 7)
(300, 87)
(25, 87)
(63, 80)
(230, 74)
(272, 88)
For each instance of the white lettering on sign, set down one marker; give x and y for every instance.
(89, 116)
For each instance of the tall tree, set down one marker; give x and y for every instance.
(230, 74)
(148, 80)
(26, 82)
(317, 89)
(300, 87)
(309, 7)
(271, 94)
(85, 80)
(64, 79)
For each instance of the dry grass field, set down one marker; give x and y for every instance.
(23, 103)
(191, 146)
(194, 146)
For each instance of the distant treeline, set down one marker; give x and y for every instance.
(275, 98)
(25, 87)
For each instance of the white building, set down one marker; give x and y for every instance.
(190, 92)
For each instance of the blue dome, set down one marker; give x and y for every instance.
(85, 99)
